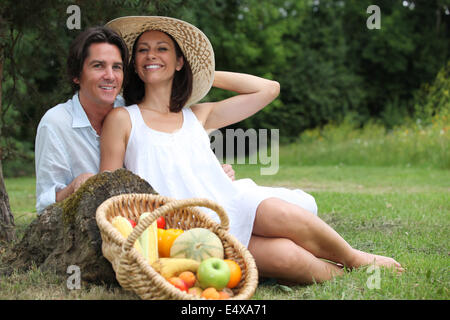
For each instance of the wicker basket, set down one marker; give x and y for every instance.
(134, 273)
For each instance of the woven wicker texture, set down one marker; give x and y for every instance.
(134, 273)
(193, 42)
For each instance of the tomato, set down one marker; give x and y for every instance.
(161, 222)
(166, 239)
(133, 224)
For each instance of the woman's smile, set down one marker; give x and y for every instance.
(153, 66)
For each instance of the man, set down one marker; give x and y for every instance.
(67, 149)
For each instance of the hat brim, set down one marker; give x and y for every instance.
(196, 47)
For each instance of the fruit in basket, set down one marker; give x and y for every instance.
(213, 272)
(188, 277)
(149, 240)
(124, 227)
(235, 273)
(223, 295)
(177, 282)
(166, 239)
(161, 222)
(210, 293)
(198, 244)
(171, 267)
(195, 291)
(133, 224)
(228, 291)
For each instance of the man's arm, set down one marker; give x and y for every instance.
(54, 179)
(72, 187)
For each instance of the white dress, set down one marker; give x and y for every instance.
(182, 165)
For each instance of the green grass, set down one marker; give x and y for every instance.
(22, 199)
(394, 211)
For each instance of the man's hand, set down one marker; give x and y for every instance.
(229, 171)
(78, 181)
(73, 186)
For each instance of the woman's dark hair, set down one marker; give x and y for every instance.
(134, 87)
(79, 50)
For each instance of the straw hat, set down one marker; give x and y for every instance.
(193, 42)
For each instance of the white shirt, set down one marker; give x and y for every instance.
(66, 146)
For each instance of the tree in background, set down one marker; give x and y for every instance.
(7, 231)
(329, 64)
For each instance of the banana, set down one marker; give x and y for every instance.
(171, 267)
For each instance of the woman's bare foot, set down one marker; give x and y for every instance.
(362, 258)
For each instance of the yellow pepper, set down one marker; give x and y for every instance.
(165, 241)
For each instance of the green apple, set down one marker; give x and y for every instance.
(213, 272)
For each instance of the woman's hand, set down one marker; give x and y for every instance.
(228, 170)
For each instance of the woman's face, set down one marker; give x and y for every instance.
(155, 57)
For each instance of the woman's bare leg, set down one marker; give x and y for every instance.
(281, 258)
(280, 219)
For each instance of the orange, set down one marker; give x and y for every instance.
(235, 273)
(211, 293)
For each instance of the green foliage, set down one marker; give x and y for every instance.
(433, 101)
(410, 144)
(329, 65)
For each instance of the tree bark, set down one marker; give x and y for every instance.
(7, 227)
(66, 233)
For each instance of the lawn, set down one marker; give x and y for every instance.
(403, 212)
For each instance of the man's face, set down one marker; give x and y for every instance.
(102, 75)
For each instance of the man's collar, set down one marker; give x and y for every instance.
(80, 119)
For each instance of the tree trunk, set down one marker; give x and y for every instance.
(7, 228)
(66, 233)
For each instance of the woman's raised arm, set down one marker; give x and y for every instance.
(254, 93)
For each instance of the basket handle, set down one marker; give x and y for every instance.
(170, 206)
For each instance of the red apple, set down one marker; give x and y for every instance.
(177, 282)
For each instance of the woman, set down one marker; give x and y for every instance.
(162, 137)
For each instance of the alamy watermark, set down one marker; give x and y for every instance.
(373, 281)
(74, 280)
(374, 21)
(74, 20)
(238, 144)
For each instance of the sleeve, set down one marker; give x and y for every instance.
(119, 102)
(53, 171)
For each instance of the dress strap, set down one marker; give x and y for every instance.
(135, 117)
(190, 118)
